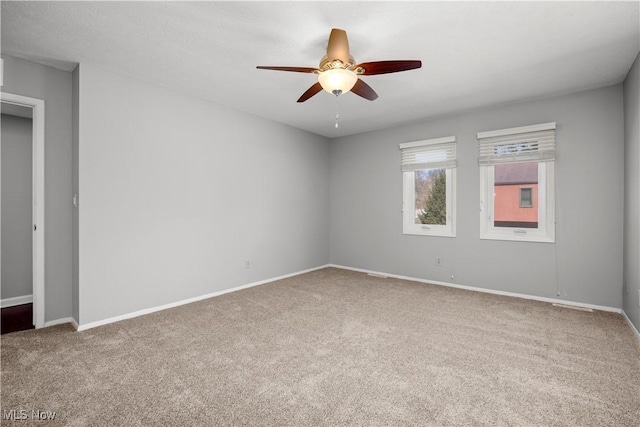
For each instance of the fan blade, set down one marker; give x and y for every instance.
(294, 69)
(310, 92)
(338, 46)
(385, 67)
(364, 90)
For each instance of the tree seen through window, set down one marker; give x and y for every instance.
(431, 196)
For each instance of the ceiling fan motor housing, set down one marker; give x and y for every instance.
(327, 63)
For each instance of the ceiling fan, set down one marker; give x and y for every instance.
(338, 72)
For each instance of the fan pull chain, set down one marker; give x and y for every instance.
(337, 115)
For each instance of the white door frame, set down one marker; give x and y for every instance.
(37, 105)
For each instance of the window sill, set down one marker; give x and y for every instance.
(518, 237)
(434, 233)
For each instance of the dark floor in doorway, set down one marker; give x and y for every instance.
(17, 318)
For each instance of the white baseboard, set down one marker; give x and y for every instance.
(84, 327)
(62, 321)
(631, 325)
(10, 302)
(484, 290)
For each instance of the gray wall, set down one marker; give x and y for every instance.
(585, 263)
(54, 87)
(632, 194)
(176, 193)
(17, 273)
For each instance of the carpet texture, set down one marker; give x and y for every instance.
(333, 348)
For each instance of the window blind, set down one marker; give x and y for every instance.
(429, 154)
(525, 144)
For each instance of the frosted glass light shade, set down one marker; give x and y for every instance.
(337, 80)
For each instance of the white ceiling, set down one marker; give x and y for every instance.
(474, 54)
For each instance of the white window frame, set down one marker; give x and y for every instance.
(546, 194)
(408, 193)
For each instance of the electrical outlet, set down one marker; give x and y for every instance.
(438, 261)
(247, 263)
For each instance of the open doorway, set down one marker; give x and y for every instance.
(17, 241)
(22, 213)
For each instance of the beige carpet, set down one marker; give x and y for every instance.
(332, 348)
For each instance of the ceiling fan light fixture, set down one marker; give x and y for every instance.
(337, 80)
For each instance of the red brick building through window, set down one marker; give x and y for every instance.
(516, 195)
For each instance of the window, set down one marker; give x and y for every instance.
(517, 183)
(428, 177)
(525, 196)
